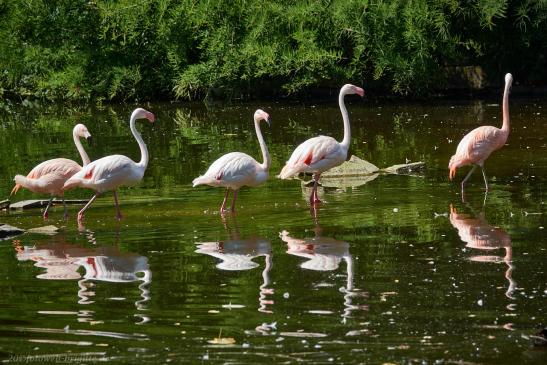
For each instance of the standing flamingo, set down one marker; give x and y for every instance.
(110, 172)
(318, 154)
(237, 169)
(478, 144)
(49, 176)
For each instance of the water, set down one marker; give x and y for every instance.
(396, 270)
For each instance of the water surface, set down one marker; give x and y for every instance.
(395, 270)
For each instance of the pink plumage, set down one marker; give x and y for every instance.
(49, 176)
(236, 169)
(319, 154)
(478, 144)
(110, 172)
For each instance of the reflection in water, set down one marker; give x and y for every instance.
(325, 254)
(62, 261)
(237, 254)
(478, 234)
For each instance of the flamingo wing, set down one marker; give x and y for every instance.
(106, 174)
(48, 176)
(232, 170)
(317, 154)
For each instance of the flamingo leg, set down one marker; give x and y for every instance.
(314, 198)
(234, 201)
(468, 175)
(66, 209)
(46, 214)
(484, 176)
(81, 212)
(118, 211)
(223, 206)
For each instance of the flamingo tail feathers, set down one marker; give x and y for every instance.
(288, 171)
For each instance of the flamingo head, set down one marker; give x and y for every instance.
(352, 89)
(81, 131)
(262, 115)
(141, 113)
(508, 79)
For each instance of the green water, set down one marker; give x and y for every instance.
(380, 273)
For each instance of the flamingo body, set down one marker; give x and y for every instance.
(237, 169)
(110, 172)
(49, 176)
(477, 145)
(233, 171)
(321, 153)
(107, 173)
(315, 155)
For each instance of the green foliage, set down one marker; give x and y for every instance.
(131, 49)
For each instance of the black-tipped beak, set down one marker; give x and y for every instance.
(269, 121)
(89, 140)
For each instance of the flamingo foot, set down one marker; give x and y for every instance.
(80, 216)
(119, 216)
(45, 215)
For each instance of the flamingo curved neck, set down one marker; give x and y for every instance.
(265, 155)
(505, 108)
(80, 148)
(144, 151)
(347, 132)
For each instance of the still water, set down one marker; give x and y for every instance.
(396, 270)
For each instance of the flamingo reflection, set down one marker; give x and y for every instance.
(325, 254)
(62, 261)
(477, 233)
(237, 254)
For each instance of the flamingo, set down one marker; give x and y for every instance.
(49, 176)
(237, 169)
(478, 144)
(110, 172)
(319, 154)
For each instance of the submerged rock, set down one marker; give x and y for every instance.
(4, 204)
(51, 229)
(29, 204)
(353, 167)
(406, 168)
(7, 231)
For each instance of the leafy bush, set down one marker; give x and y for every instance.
(131, 49)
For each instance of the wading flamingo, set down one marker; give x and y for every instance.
(318, 154)
(478, 144)
(50, 176)
(237, 169)
(110, 172)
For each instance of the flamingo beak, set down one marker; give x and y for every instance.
(268, 120)
(151, 117)
(359, 91)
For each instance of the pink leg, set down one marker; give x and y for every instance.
(223, 206)
(118, 212)
(468, 176)
(46, 214)
(314, 198)
(234, 201)
(81, 212)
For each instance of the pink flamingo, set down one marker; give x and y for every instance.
(110, 172)
(321, 153)
(49, 176)
(237, 169)
(478, 144)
